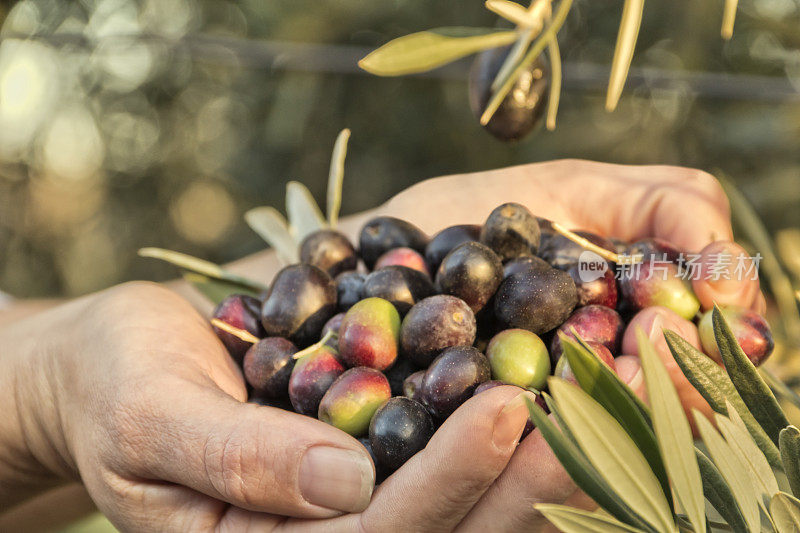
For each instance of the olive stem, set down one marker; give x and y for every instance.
(608, 255)
(514, 55)
(316, 346)
(555, 83)
(242, 334)
(728, 18)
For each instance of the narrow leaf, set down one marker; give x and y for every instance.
(336, 177)
(533, 52)
(571, 520)
(674, 434)
(728, 17)
(756, 394)
(273, 228)
(510, 11)
(785, 511)
(611, 451)
(732, 470)
(201, 266)
(790, 455)
(579, 469)
(602, 384)
(216, 290)
(513, 58)
(623, 53)
(713, 383)
(304, 214)
(427, 50)
(735, 432)
(555, 83)
(718, 493)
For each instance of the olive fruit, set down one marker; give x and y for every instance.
(655, 249)
(601, 290)
(519, 357)
(511, 231)
(412, 386)
(524, 263)
(349, 289)
(525, 103)
(595, 323)
(649, 284)
(328, 250)
(311, 376)
(537, 301)
(399, 429)
(563, 370)
(333, 326)
(564, 253)
(397, 374)
(400, 285)
(353, 398)
(299, 302)
(268, 365)
(446, 240)
(242, 312)
(403, 257)
(472, 272)
(436, 323)
(381, 234)
(451, 379)
(750, 329)
(370, 334)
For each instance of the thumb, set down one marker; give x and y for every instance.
(254, 457)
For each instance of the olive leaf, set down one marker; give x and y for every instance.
(216, 290)
(304, 214)
(790, 454)
(554, 55)
(201, 266)
(578, 467)
(713, 383)
(602, 384)
(538, 46)
(427, 50)
(785, 511)
(511, 11)
(673, 433)
(732, 470)
(611, 451)
(273, 228)
(571, 520)
(718, 493)
(728, 17)
(756, 395)
(623, 52)
(336, 177)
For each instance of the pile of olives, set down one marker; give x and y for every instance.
(384, 340)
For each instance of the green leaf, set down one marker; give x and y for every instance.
(554, 54)
(201, 266)
(538, 46)
(732, 470)
(735, 432)
(304, 214)
(571, 520)
(273, 228)
(790, 455)
(578, 467)
(216, 290)
(623, 52)
(611, 451)
(718, 493)
(336, 177)
(756, 394)
(713, 383)
(603, 384)
(427, 50)
(673, 433)
(785, 511)
(511, 11)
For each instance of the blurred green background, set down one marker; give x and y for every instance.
(159, 122)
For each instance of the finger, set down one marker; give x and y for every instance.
(727, 276)
(534, 475)
(437, 487)
(257, 458)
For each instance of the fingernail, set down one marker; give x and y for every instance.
(336, 478)
(511, 421)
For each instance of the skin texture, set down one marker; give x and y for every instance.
(120, 363)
